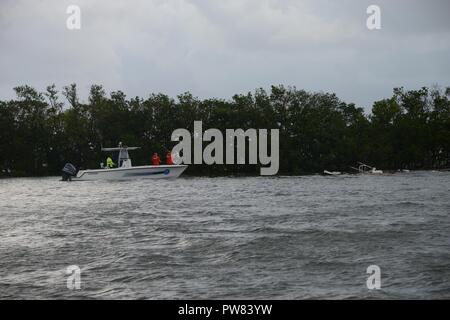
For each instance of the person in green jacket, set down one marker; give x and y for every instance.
(109, 163)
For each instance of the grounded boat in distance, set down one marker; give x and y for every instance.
(124, 171)
(331, 173)
(364, 168)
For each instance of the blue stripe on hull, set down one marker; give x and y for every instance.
(164, 172)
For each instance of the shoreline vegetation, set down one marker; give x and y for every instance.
(251, 175)
(41, 131)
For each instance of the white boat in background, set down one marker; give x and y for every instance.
(332, 173)
(364, 168)
(125, 170)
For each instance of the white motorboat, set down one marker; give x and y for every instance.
(375, 171)
(125, 170)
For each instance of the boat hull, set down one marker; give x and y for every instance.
(147, 172)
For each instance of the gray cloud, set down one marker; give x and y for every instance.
(218, 48)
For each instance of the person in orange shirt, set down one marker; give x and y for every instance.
(156, 161)
(169, 159)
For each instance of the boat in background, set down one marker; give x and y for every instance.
(125, 170)
(332, 173)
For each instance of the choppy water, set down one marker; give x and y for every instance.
(255, 238)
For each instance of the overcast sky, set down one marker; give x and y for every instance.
(219, 48)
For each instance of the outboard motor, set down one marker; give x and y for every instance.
(68, 172)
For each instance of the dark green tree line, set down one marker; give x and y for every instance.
(41, 131)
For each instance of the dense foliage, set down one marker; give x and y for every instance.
(40, 133)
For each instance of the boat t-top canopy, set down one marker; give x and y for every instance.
(120, 148)
(124, 158)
